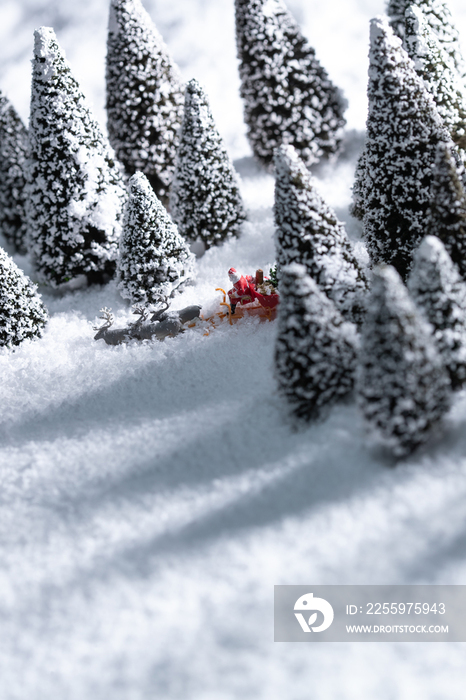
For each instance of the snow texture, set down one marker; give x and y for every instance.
(315, 351)
(13, 149)
(440, 76)
(154, 259)
(403, 388)
(22, 313)
(288, 96)
(144, 95)
(447, 212)
(75, 191)
(205, 201)
(439, 17)
(440, 293)
(403, 131)
(308, 232)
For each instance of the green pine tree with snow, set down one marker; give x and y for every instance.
(22, 313)
(439, 17)
(308, 232)
(205, 201)
(144, 95)
(440, 293)
(403, 388)
(288, 96)
(446, 217)
(403, 131)
(13, 150)
(438, 73)
(75, 191)
(154, 259)
(315, 351)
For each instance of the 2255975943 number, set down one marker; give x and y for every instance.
(404, 608)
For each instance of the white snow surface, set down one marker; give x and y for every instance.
(153, 494)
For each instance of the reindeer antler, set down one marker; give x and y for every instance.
(107, 317)
(142, 313)
(160, 299)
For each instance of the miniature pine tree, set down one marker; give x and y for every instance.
(438, 16)
(309, 233)
(358, 193)
(315, 356)
(447, 213)
(154, 259)
(288, 96)
(22, 314)
(403, 130)
(205, 200)
(144, 95)
(13, 148)
(402, 385)
(439, 75)
(74, 185)
(439, 291)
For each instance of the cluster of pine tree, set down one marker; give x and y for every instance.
(408, 357)
(410, 352)
(410, 181)
(64, 195)
(416, 102)
(84, 205)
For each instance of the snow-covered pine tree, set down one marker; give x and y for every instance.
(154, 259)
(447, 213)
(13, 149)
(22, 313)
(144, 95)
(358, 189)
(403, 130)
(402, 387)
(439, 17)
(315, 352)
(440, 293)
(308, 232)
(438, 73)
(288, 96)
(205, 200)
(75, 191)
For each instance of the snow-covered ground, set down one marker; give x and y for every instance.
(153, 494)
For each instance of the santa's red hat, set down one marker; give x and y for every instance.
(233, 275)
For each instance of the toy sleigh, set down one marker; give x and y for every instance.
(249, 296)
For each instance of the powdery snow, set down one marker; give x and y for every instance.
(153, 494)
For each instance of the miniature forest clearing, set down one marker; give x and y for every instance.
(152, 494)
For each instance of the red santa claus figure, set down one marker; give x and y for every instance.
(243, 291)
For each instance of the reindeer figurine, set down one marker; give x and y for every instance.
(161, 324)
(115, 336)
(189, 313)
